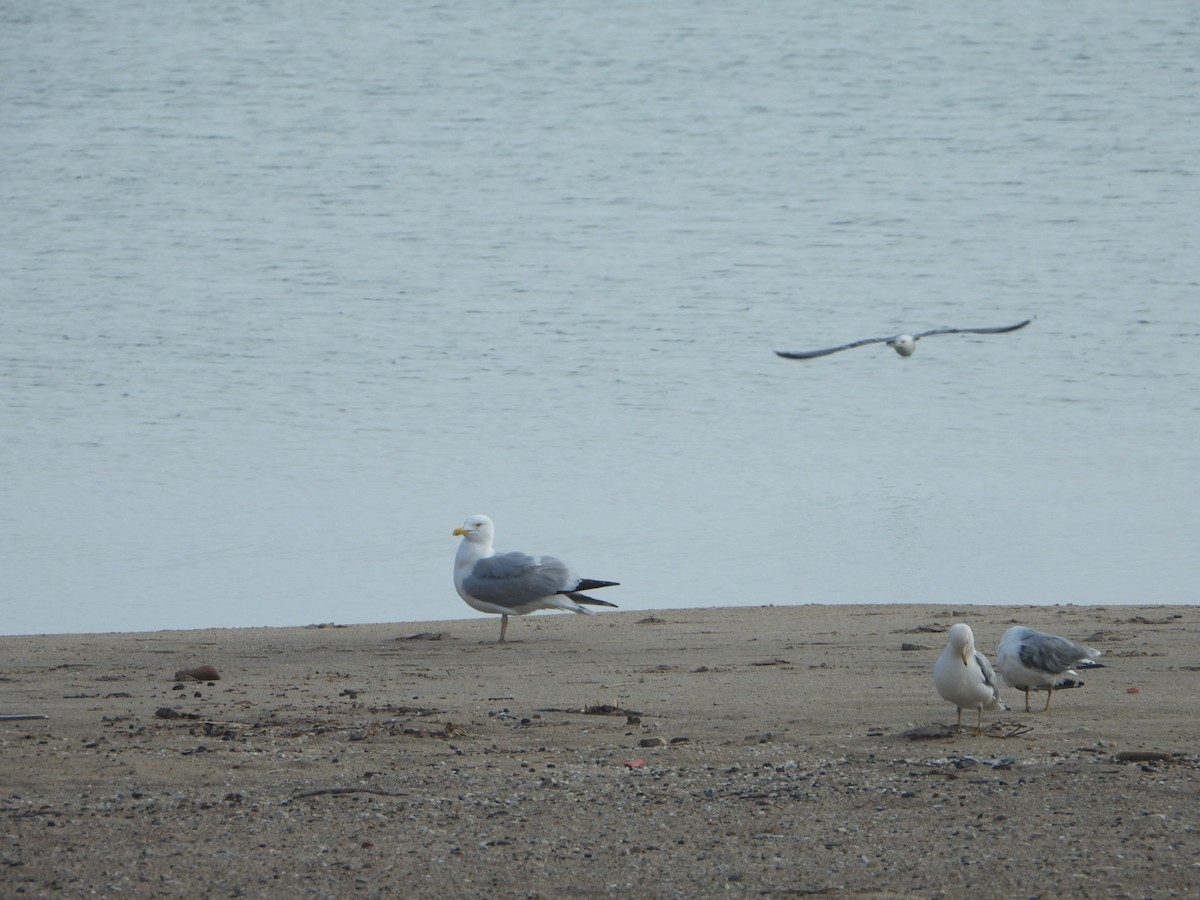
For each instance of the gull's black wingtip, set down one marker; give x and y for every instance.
(810, 354)
(589, 601)
(591, 584)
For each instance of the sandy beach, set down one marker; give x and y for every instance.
(766, 751)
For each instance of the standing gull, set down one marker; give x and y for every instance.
(1032, 660)
(964, 677)
(515, 584)
(904, 344)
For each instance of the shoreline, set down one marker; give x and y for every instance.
(472, 616)
(756, 750)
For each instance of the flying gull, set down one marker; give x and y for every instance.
(904, 344)
(515, 584)
(1032, 660)
(963, 676)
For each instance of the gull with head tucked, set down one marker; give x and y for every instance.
(515, 584)
(1032, 660)
(963, 676)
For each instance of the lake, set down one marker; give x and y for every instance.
(290, 289)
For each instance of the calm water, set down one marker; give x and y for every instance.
(289, 289)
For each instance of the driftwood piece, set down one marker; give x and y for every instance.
(338, 791)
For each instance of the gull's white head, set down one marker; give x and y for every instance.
(903, 344)
(962, 640)
(477, 529)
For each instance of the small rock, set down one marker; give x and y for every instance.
(1142, 756)
(165, 712)
(200, 673)
(651, 742)
(929, 732)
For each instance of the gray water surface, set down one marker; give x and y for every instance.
(290, 289)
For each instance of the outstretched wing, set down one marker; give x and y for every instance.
(999, 329)
(813, 354)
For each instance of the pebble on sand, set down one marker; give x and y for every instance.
(200, 673)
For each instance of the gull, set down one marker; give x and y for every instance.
(1032, 660)
(904, 344)
(963, 676)
(515, 584)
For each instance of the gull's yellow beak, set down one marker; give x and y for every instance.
(459, 531)
(964, 657)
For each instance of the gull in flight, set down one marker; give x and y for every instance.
(1032, 660)
(904, 344)
(964, 677)
(515, 584)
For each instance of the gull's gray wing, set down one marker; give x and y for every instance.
(514, 579)
(813, 354)
(999, 329)
(1050, 653)
(989, 674)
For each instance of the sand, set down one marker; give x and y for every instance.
(777, 751)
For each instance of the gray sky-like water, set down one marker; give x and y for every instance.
(288, 290)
